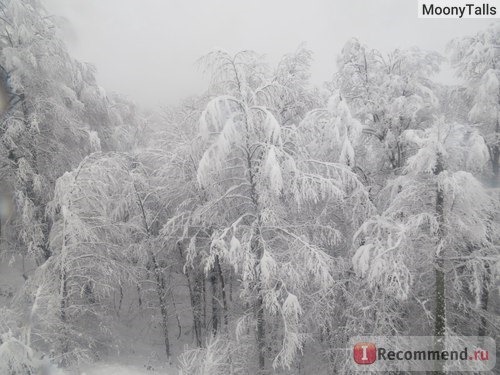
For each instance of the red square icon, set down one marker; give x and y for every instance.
(365, 353)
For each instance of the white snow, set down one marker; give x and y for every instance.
(119, 369)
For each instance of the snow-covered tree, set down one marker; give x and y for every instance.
(257, 184)
(388, 93)
(88, 240)
(331, 134)
(476, 59)
(294, 96)
(434, 240)
(58, 114)
(42, 133)
(106, 215)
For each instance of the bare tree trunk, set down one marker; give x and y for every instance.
(162, 298)
(199, 306)
(440, 287)
(204, 292)
(64, 297)
(484, 299)
(223, 288)
(495, 157)
(195, 298)
(64, 319)
(120, 301)
(261, 331)
(231, 281)
(160, 280)
(215, 302)
(139, 295)
(174, 305)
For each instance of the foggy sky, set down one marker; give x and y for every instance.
(146, 49)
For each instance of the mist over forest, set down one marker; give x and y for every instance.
(255, 226)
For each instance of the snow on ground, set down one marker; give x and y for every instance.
(119, 369)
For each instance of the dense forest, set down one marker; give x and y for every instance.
(256, 226)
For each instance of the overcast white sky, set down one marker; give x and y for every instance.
(146, 49)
